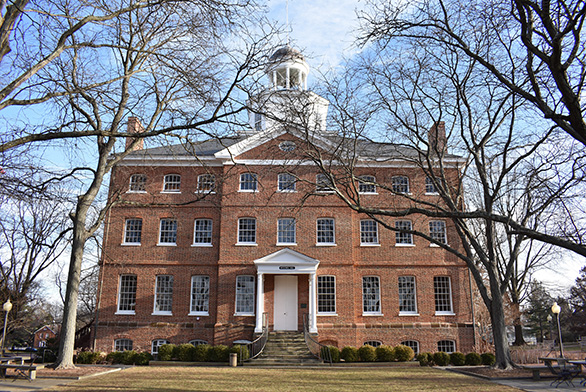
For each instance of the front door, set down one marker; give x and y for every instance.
(285, 303)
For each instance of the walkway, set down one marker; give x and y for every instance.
(540, 386)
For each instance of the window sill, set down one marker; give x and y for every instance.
(285, 191)
(198, 314)
(205, 192)
(202, 245)
(130, 244)
(369, 245)
(431, 194)
(166, 244)
(327, 314)
(125, 313)
(368, 193)
(136, 191)
(326, 244)
(286, 244)
(372, 314)
(403, 314)
(326, 192)
(247, 191)
(172, 192)
(246, 244)
(162, 314)
(244, 314)
(435, 245)
(444, 314)
(404, 245)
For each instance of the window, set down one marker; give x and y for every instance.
(200, 295)
(127, 294)
(368, 232)
(247, 231)
(371, 295)
(326, 231)
(168, 232)
(245, 295)
(442, 294)
(197, 342)
(137, 183)
(326, 294)
(286, 231)
(132, 231)
(373, 343)
(429, 185)
(400, 184)
(286, 182)
(407, 298)
(414, 344)
(447, 346)
(163, 295)
(202, 234)
(257, 122)
(206, 183)
(172, 183)
(366, 184)
(437, 231)
(323, 183)
(248, 182)
(122, 345)
(401, 236)
(156, 344)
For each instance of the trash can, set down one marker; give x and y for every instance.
(233, 359)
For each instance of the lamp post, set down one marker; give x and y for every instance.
(555, 309)
(7, 307)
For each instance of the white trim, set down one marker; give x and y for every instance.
(198, 314)
(367, 245)
(159, 313)
(326, 244)
(136, 192)
(203, 245)
(134, 244)
(402, 314)
(246, 244)
(171, 192)
(444, 314)
(326, 314)
(286, 244)
(125, 312)
(404, 245)
(372, 314)
(166, 244)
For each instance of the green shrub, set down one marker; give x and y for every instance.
(115, 357)
(129, 357)
(242, 351)
(384, 353)
(143, 358)
(473, 359)
(457, 359)
(441, 358)
(404, 353)
(367, 353)
(202, 353)
(334, 353)
(425, 359)
(488, 359)
(89, 357)
(219, 353)
(185, 352)
(349, 354)
(166, 352)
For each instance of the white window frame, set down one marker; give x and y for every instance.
(137, 183)
(168, 230)
(155, 344)
(171, 183)
(123, 345)
(286, 183)
(369, 237)
(241, 232)
(245, 294)
(127, 294)
(203, 229)
(414, 344)
(200, 295)
(441, 296)
(403, 288)
(326, 294)
(286, 226)
(163, 295)
(258, 120)
(367, 185)
(442, 346)
(132, 229)
(403, 238)
(206, 183)
(320, 229)
(438, 233)
(369, 288)
(400, 184)
(197, 342)
(430, 186)
(248, 182)
(373, 343)
(323, 184)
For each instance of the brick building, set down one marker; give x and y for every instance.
(210, 236)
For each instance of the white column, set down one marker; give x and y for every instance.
(287, 82)
(312, 304)
(260, 301)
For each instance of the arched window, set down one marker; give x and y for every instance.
(373, 343)
(172, 183)
(137, 183)
(400, 184)
(156, 344)
(206, 183)
(122, 345)
(447, 346)
(366, 184)
(248, 182)
(197, 342)
(414, 344)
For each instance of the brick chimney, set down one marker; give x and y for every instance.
(437, 138)
(134, 126)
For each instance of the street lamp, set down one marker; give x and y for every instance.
(7, 307)
(555, 309)
(549, 319)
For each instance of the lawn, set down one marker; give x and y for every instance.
(226, 379)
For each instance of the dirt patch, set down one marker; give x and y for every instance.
(76, 373)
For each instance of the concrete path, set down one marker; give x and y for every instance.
(38, 384)
(540, 386)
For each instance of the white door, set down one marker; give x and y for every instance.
(285, 303)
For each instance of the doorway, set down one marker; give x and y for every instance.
(285, 306)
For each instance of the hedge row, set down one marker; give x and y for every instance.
(129, 357)
(370, 354)
(201, 353)
(456, 359)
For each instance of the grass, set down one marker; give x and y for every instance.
(226, 379)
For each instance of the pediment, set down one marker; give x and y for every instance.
(286, 261)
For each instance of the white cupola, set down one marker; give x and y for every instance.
(287, 69)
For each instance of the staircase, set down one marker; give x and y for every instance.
(285, 349)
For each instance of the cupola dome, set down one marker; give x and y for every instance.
(287, 69)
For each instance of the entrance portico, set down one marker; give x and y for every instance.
(286, 264)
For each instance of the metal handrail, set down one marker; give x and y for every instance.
(318, 350)
(256, 347)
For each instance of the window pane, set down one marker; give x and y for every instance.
(429, 186)
(371, 294)
(200, 294)
(437, 231)
(168, 234)
(400, 184)
(414, 344)
(373, 343)
(287, 182)
(247, 230)
(368, 232)
(122, 345)
(442, 294)
(447, 346)
(133, 230)
(248, 182)
(164, 293)
(407, 302)
(137, 183)
(286, 231)
(366, 184)
(325, 231)
(172, 183)
(323, 183)
(402, 237)
(127, 294)
(245, 294)
(203, 231)
(326, 294)
(206, 183)
(156, 344)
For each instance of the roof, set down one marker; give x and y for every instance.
(286, 53)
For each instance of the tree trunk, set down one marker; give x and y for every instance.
(499, 331)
